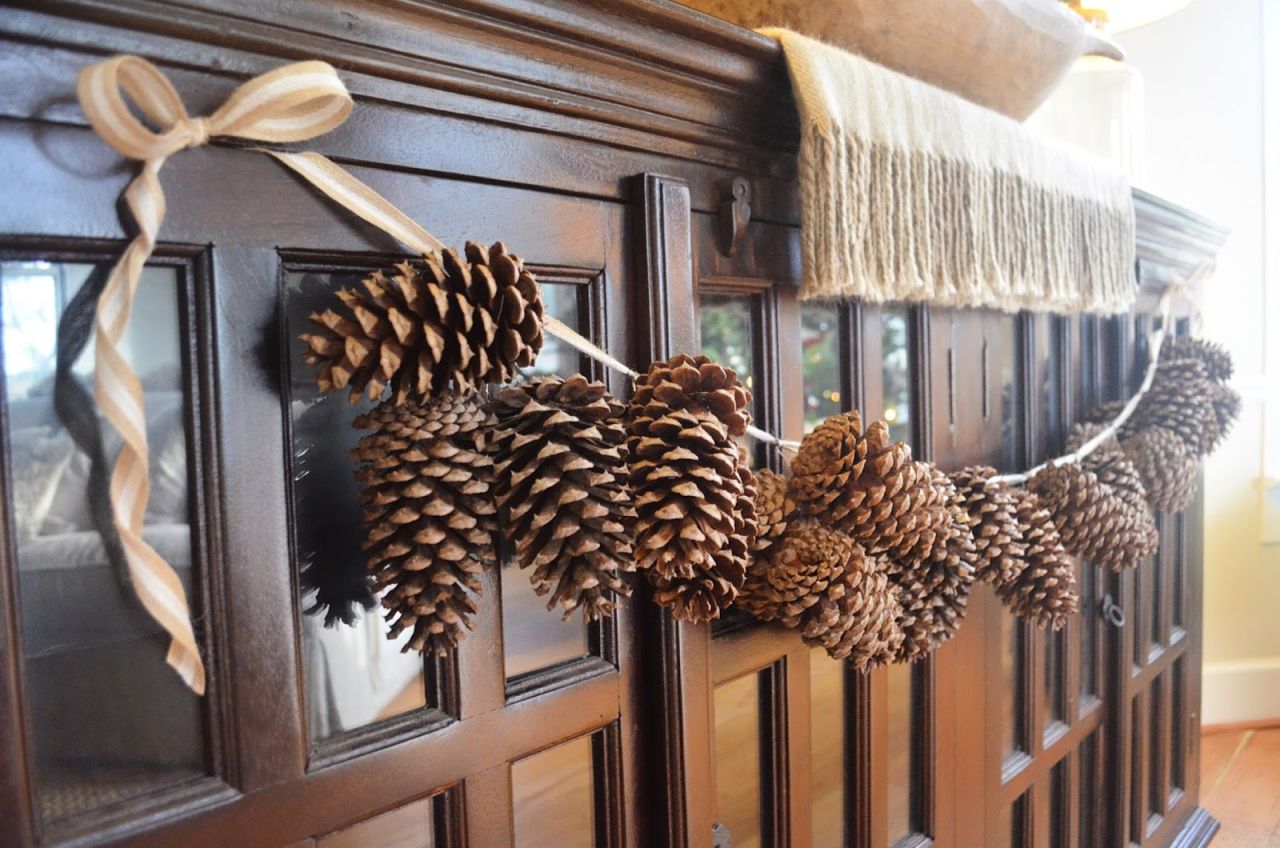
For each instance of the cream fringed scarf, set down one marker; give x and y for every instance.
(910, 193)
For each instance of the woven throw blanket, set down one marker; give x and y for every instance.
(909, 193)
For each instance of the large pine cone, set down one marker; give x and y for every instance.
(1045, 591)
(1114, 470)
(694, 495)
(423, 329)
(1216, 359)
(773, 509)
(867, 486)
(429, 515)
(933, 589)
(562, 483)
(1092, 522)
(993, 518)
(822, 584)
(1178, 400)
(1167, 468)
(1226, 408)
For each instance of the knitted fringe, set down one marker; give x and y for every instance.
(883, 224)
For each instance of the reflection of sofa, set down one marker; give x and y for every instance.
(106, 710)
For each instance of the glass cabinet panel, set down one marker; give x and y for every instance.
(109, 719)
(739, 765)
(821, 364)
(895, 334)
(828, 745)
(409, 826)
(552, 797)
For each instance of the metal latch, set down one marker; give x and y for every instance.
(1112, 612)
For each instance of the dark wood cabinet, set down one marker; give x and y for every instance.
(601, 142)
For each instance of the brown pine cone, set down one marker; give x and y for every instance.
(429, 515)
(773, 509)
(1167, 468)
(1226, 407)
(822, 584)
(1216, 359)
(992, 512)
(562, 485)
(867, 486)
(1045, 591)
(1091, 520)
(694, 495)
(934, 589)
(423, 329)
(1114, 470)
(1179, 400)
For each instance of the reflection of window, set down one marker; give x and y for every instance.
(729, 334)
(896, 352)
(820, 359)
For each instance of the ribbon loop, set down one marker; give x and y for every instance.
(292, 103)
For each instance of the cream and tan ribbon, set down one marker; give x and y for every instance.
(292, 103)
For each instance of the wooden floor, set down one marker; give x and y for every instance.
(1240, 786)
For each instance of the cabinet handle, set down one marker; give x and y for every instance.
(1112, 612)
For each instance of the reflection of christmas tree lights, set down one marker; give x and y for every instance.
(891, 414)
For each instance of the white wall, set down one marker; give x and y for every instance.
(1204, 82)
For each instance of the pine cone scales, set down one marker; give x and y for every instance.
(694, 495)
(822, 584)
(1216, 359)
(1166, 466)
(421, 330)
(1044, 591)
(993, 518)
(1115, 472)
(933, 589)
(562, 484)
(429, 516)
(1092, 522)
(867, 486)
(773, 509)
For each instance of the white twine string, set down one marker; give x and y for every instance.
(576, 340)
(1155, 339)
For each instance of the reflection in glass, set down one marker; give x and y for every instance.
(896, 340)
(728, 337)
(1011, 689)
(1088, 798)
(903, 721)
(827, 747)
(1059, 805)
(820, 357)
(534, 637)
(1010, 395)
(1086, 576)
(410, 826)
(739, 788)
(1157, 581)
(1157, 740)
(109, 719)
(1055, 670)
(552, 801)
(354, 675)
(1177, 730)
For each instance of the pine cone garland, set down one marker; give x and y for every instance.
(1226, 408)
(1167, 468)
(1178, 400)
(694, 495)
(773, 509)
(867, 486)
(429, 515)
(562, 486)
(1044, 591)
(1092, 521)
(993, 517)
(423, 329)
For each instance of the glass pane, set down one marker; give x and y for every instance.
(896, 335)
(1055, 671)
(729, 337)
(1156, 740)
(1011, 689)
(354, 675)
(820, 355)
(903, 724)
(410, 826)
(1178, 539)
(1087, 577)
(110, 719)
(551, 797)
(1010, 395)
(534, 637)
(1178, 730)
(1059, 806)
(827, 737)
(739, 805)
(1019, 832)
(1163, 526)
(1089, 818)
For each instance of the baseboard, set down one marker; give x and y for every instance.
(1240, 726)
(1241, 692)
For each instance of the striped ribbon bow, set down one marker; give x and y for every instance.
(291, 103)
